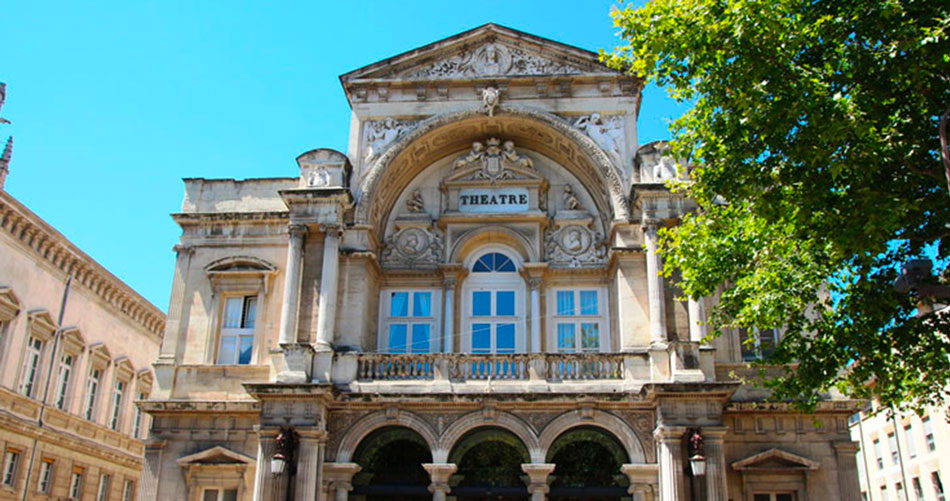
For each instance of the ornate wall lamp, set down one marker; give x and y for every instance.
(694, 448)
(286, 449)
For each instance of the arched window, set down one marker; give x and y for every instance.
(493, 305)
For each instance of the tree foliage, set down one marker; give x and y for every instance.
(814, 132)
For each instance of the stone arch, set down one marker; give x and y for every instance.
(544, 132)
(487, 418)
(609, 422)
(371, 422)
(476, 239)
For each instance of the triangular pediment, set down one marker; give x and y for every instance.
(215, 455)
(775, 460)
(489, 51)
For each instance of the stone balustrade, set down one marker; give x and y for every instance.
(478, 367)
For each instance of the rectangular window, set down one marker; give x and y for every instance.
(128, 491)
(892, 443)
(918, 490)
(117, 393)
(220, 495)
(909, 441)
(92, 389)
(899, 487)
(929, 435)
(75, 483)
(102, 494)
(137, 420)
(11, 461)
(938, 485)
(62, 389)
(757, 344)
(236, 342)
(31, 366)
(577, 322)
(409, 319)
(46, 475)
(878, 455)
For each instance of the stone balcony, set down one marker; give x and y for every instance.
(521, 372)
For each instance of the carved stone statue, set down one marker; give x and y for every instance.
(381, 134)
(416, 204)
(490, 98)
(509, 154)
(472, 157)
(494, 161)
(607, 133)
(318, 177)
(570, 200)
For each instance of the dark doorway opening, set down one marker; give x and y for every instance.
(391, 459)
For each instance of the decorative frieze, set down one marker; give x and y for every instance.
(491, 59)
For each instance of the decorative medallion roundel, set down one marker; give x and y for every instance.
(575, 240)
(412, 242)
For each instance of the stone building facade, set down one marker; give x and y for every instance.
(465, 305)
(76, 347)
(902, 455)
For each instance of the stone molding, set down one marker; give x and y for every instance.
(51, 246)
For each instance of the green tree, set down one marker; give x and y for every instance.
(814, 132)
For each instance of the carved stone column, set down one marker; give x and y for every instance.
(716, 463)
(538, 479)
(440, 473)
(338, 477)
(697, 318)
(535, 285)
(174, 342)
(264, 481)
(288, 307)
(326, 312)
(672, 478)
(448, 320)
(309, 466)
(657, 299)
(643, 480)
(848, 485)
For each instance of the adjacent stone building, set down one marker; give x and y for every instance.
(76, 347)
(465, 305)
(902, 455)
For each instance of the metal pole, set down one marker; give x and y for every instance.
(49, 377)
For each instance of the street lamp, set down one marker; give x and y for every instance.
(286, 447)
(277, 464)
(694, 446)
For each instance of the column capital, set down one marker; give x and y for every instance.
(666, 433)
(340, 473)
(651, 224)
(538, 476)
(334, 229)
(846, 447)
(440, 473)
(297, 230)
(534, 283)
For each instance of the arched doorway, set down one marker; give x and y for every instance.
(391, 459)
(489, 466)
(587, 463)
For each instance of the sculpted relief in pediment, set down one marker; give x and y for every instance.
(492, 161)
(489, 59)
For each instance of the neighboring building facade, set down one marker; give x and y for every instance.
(465, 305)
(902, 456)
(76, 347)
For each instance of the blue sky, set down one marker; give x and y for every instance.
(113, 103)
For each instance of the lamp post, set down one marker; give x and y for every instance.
(283, 460)
(697, 459)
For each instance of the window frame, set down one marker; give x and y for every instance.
(91, 394)
(238, 276)
(601, 318)
(40, 326)
(128, 490)
(756, 353)
(11, 468)
(46, 475)
(102, 490)
(119, 390)
(33, 355)
(238, 332)
(494, 282)
(386, 319)
(76, 481)
(929, 439)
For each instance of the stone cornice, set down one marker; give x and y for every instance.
(51, 246)
(186, 218)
